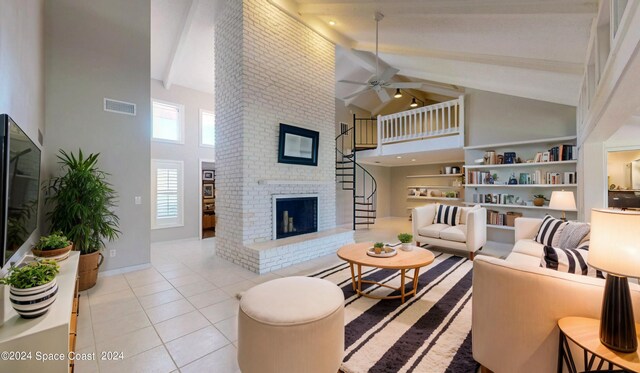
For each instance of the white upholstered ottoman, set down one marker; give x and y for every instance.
(292, 324)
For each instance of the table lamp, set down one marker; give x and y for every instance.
(562, 200)
(615, 249)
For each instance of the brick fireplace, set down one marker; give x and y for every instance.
(262, 80)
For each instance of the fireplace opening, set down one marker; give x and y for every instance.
(295, 215)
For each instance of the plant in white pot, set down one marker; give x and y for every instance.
(406, 239)
(82, 202)
(32, 287)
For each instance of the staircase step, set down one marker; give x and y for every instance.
(344, 174)
(347, 189)
(366, 217)
(365, 210)
(344, 162)
(363, 223)
(364, 203)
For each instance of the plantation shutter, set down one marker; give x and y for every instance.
(167, 193)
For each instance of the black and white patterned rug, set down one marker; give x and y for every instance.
(430, 332)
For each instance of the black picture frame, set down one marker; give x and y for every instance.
(298, 145)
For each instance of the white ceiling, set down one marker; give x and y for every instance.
(526, 48)
(182, 45)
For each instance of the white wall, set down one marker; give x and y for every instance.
(22, 69)
(190, 153)
(98, 49)
(495, 118)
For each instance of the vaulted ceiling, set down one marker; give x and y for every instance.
(527, 48)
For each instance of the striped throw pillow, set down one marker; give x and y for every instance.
(549, 232)
(449, 215)
(569, 261)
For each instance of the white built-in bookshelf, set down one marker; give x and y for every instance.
(533, 177)
(431, 187)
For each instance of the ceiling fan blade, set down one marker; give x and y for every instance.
(383, 95)
(388, 73)
(356, 93)
(352, 82)
(406, 85)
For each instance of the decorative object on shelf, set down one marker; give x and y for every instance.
(447, 170)
(513, 180)
(509, 157)
(436, 193)
(33, 287)
(538, 199)
(563, 201)
(54, 246)
(479, 161)
(451, 194)
(615, 249)
(499, 159)
(490, 157)
(82, 201)
(455, 170)
(405, 239)
(208, 175)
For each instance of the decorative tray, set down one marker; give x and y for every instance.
(384, 254)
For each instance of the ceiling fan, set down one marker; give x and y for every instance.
(379, 82)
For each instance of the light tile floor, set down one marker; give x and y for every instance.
(181, 313)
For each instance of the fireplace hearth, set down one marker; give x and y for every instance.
(294, 215)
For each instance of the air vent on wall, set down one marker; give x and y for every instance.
(119, 107)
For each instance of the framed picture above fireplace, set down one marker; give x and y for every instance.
(298, 145)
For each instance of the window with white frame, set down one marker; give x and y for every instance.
(207, 128)
(167, 194)
(168, 122)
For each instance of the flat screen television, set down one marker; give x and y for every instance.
(19, 187)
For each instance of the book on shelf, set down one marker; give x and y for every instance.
(535, 177)
(505, 219)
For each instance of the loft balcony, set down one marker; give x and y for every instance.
(437, 128)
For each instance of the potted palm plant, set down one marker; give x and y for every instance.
(81, 202)
(33, 287)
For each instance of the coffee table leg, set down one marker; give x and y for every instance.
(402, 273)
(416, 273)
(359, 290)
(353, 279)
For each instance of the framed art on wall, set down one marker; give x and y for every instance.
(207, 190)
(298, 145)
(208, 175)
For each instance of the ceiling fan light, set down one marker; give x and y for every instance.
(398, 94)
(414, 103)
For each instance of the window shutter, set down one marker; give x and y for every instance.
(166, 193)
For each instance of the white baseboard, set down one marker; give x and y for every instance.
(120, 271)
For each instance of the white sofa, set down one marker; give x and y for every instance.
(470, 236)
(517, 304)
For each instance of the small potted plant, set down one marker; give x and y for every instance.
(538, 199)
(377, 247)
(33, 287)
(406, 239)
(54, 245)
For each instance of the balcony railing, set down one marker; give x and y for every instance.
(441, 119)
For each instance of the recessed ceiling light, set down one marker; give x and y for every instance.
(332, 23)
(399, 157)
(413, 160)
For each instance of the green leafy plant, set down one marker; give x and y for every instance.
(540, 196)
(31, 275)
(53, 241)
(82, 201)
(450, 194)
(405, 237)
(378, 245)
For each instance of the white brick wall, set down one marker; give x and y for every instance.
(270, 69)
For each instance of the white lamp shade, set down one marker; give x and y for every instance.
(615, 242)
(562, 200)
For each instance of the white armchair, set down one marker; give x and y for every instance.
(470, 235)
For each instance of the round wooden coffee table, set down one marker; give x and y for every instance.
(356, 255)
